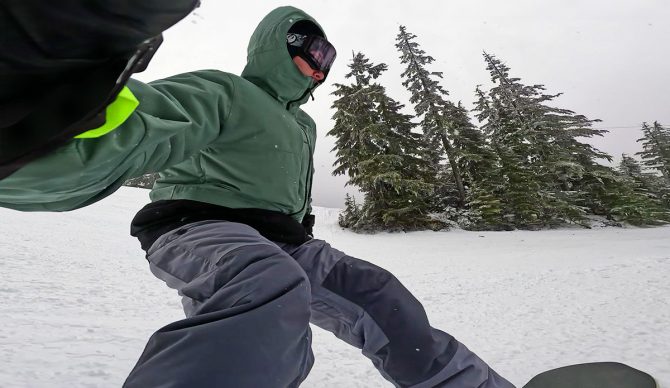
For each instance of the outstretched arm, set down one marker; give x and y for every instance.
(176, 118)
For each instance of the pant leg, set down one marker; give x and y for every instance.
(247, 307)
(367, 307)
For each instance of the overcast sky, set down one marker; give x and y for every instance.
(611, 59)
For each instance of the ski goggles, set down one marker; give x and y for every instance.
(317, 51)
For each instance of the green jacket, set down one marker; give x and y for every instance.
(239, 142)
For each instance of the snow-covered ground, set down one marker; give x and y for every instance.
(78, 301)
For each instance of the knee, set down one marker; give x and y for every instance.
(289, 275)
(274, 266)
(362, 282)
(381, 295)
(285, 286)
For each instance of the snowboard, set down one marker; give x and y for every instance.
(593, 375)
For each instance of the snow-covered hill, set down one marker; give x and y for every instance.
(78, 301)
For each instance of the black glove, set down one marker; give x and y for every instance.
(308, 224)
(63, 62)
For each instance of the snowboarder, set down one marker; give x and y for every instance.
(230, 226)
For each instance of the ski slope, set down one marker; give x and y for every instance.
(78, 301)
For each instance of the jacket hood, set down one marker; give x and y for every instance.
(269, 65)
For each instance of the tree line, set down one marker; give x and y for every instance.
(525, 165)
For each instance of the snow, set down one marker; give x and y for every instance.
(78, 300)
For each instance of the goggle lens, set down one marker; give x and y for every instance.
(317, 51)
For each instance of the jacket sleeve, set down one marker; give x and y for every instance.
(176, 118)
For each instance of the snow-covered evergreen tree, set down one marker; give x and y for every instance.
(446, 126)
(353, 120)
(381, 154)
(633, 198)
(648, 184)
(470, 144)
(486, 197)
(515, 144)
(656, 148)
(351, 213)
(539, 154)
(630, 167)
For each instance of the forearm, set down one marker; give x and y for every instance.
(176, 118)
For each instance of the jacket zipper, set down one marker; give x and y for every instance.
(308, 180)
(308, 91)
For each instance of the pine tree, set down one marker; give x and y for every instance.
(633, 201)
(385, 159)
(539, 153)
(353, 120)
(486, 197)
(446, 127)
(515, 145)
(351, 213)
(630, 167)
(656, 148)
(637, 181)
(650, 185)
(469, 143)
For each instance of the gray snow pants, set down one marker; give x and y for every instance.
(249, 301)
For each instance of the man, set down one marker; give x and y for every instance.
(229, 228)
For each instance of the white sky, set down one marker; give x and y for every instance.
(609, 58)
